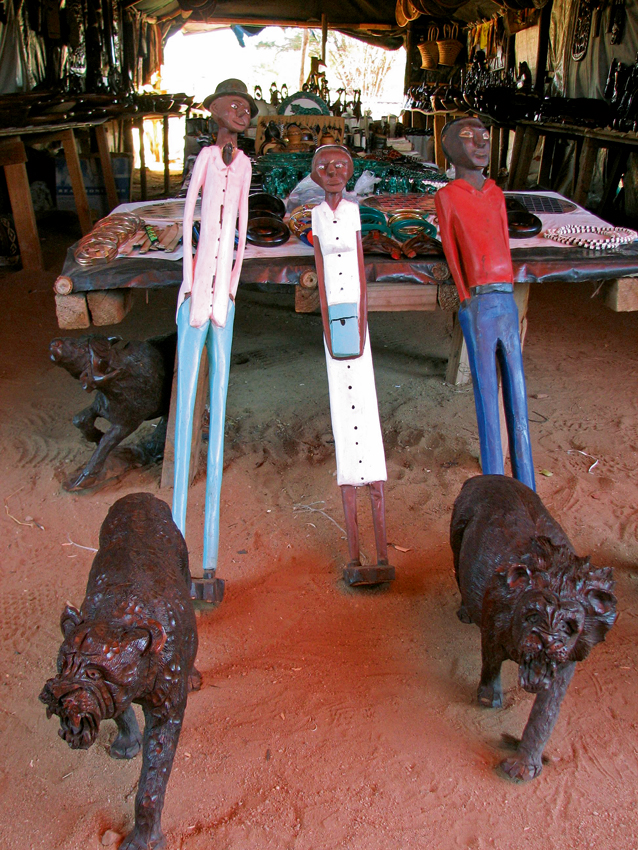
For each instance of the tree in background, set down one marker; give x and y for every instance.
(354, 65)
(351, 64)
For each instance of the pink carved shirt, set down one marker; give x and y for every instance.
(211, 277)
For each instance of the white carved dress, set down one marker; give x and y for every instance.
(353, 397)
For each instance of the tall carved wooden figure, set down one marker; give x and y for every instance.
(336, 229)
(206, 303)
(473, 225)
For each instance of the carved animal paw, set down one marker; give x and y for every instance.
(521, 768)
(125, 747)
(194, 679)
(79, 481)
(490, 696)
(463, 616)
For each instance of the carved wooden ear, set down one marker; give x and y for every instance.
(517, 576)
(138, 638)
(602, 602)
(70, 618)
(158, 635)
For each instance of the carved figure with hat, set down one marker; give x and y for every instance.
(206, 302)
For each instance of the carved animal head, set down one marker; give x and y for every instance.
(562, 607)
(84, 356)
(102, 668)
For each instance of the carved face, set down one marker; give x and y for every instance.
(559, 606)
(87, 358)
(467, 144)
(101, 670)
(232, 112)
(546, 631)
(332, 168)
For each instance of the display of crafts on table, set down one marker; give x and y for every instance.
(151, 238)
(171, 209)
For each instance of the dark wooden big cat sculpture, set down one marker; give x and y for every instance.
(133, 640)
(536, 602)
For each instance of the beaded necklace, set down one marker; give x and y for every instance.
(576, 234)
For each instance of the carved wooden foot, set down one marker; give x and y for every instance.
(355, 575)
(521, 767)
(207, 589)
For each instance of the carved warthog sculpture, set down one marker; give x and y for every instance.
(132, 381)
(133, 640)
(536, 602)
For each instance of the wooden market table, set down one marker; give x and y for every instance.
(102, 294)
(13, 158)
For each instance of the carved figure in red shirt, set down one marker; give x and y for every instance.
(473, 227)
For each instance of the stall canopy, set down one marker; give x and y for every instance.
(375, 23)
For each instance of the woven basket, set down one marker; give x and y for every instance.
(449, 47)
(429, 50)
(406, 11)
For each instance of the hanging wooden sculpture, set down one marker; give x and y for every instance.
(582, 29)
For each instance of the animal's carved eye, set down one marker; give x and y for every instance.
(572, 627)
(93, 674)
(534, 618)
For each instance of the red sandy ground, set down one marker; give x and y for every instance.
(328, 718)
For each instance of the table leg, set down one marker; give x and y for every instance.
(525, 159)
(140, 128)
(616, 165)
(545, 172)
(458, 365)
(77, 182)
(504, 146)
(516, 153)
(439, 123)
(587, 162)
(495, 142)
(24, 216)
(167, 173)
(107, 166)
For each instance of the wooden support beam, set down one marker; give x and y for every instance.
(24, 216)
(72, 311)
(109, 306)
(107, 166)
(394, 297)
(77, 181)
(543, 48)
(621, 295)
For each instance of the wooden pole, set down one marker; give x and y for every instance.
(543, 47)
(304, 49)
(324, 37)
(409, 47)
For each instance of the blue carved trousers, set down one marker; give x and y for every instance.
(489, 322)
(190, 344)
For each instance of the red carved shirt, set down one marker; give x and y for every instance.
(473, 228)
